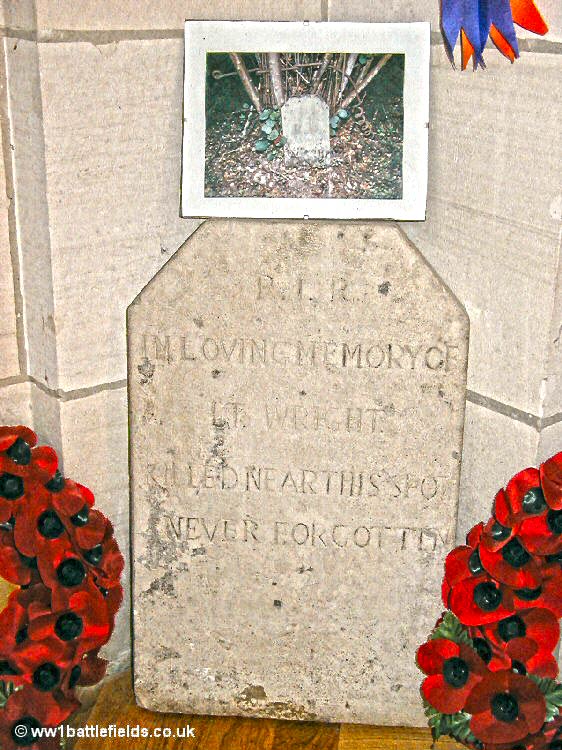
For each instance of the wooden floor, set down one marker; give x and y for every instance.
(116, 705)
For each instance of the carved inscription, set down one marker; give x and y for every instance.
(296, 416)
(173, 349)
(312, 534)
(279, 415)
(384, 483)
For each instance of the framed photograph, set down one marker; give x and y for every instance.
(293, 120)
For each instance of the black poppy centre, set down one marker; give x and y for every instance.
(456, 672)
(515, 555)
(512, 627)
(487, 596)
(505, 707)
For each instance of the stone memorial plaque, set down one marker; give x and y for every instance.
(306, 125)
(296, 413)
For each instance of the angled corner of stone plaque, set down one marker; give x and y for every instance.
(297, 394)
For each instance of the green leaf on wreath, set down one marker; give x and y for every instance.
(456, 725)
(6, 689)
(451, 629)
(261, 146)
(459, 727)
(264, 115)
(433, 719)
(552, 692)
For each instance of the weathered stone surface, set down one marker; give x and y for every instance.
(9, 364)
(16, 404)
(426, 10)
(167, 14)
(296, 408)
(515, 258)
(113, 197)
(306, 126)
(495, 448)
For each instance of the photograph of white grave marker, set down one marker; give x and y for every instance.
(326, 125)
(293, 120)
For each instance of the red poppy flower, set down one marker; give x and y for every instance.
(93, 669)
(94, 532)
(542, 534)
(479, 600)
(84, 622)
(24, 655)
(22, 605)
(70, 498)
(544, 740)
(551, 481)
(106, 564)
(87, 671)
(474, 535)
(522, 497)
(454, 669)
(13, 620)
(16, 568)
(539, 625)
(37, 464)
(505, 707)
(54, 515)
(54, 568)
(511, 565)
(547, 596)
(14, 494)
(493, 656)
(41, 662)
(462, 562)
(114, 598)
(34, 709)
(496, 535)
(9, 435)
(527, 657)
(105, 557)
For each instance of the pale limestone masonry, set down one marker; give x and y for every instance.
(296, 408)
(91, 130)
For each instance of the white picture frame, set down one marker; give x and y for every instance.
(410, 39)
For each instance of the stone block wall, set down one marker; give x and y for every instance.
(89, 211)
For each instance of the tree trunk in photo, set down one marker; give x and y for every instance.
(364, 72)
(366, 81)
(348, 70)
(251, 90)
(274, 63)
(317, 80)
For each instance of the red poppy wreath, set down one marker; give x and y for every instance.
(62, 556)
(490, 671)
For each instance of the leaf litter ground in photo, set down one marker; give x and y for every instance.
(245, 148)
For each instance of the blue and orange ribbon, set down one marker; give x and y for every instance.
(476, 20)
